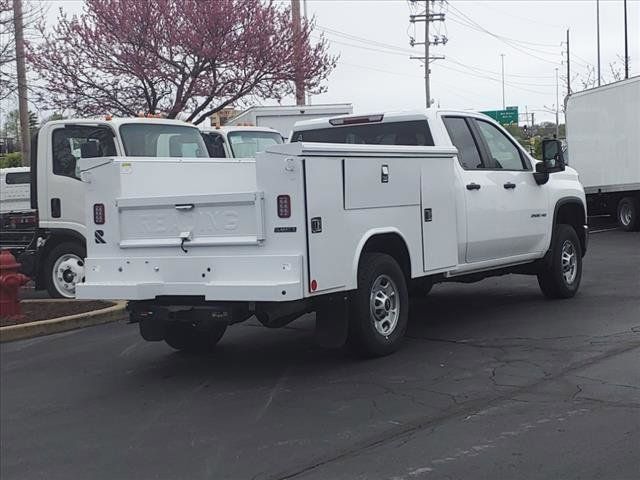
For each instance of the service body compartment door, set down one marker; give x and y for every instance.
(439, 232)
(326, 228)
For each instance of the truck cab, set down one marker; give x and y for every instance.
(239, 141)
(53, 252)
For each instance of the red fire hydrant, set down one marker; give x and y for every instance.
(10, 281)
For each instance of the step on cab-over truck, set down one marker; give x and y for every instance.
(48, 237)
(344, 222)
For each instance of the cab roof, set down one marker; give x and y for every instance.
(386, 117)
(117, 121)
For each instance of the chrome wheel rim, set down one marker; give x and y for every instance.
(384, 305)
(626, 214)
(569, 262)
(68, 271)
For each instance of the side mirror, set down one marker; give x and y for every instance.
(552, 158)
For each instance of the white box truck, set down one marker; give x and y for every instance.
(603, 139)
(392, 202)
(283, 117)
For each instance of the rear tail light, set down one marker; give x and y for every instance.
(98, 213)
(284, 206)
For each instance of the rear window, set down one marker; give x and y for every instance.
(18, 178)
(162, 140)
(245, 144)
(391, 133)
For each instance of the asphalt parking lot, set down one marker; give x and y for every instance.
(493, 382)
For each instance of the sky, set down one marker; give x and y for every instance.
(375, 73)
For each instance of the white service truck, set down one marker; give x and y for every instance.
(48, 237)
(603, 139)
(393, 202)
(15, 189)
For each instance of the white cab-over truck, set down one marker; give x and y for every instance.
(345, 229)
(48, 238)
(239, 142)
(603, 137)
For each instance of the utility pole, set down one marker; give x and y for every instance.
(23, 107)
(306, 19)
(568, 66)
(626, 43)
(598, 32)
(557, 106)
(503, 102)
(299, 81)
(427, 18)
(427, 70)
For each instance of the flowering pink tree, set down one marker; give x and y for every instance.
(172, 56)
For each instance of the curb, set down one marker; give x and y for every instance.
(62, 324)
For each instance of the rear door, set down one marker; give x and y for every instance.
(485, 236)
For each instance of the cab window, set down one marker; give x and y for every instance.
(215, 145)
(390, 133)
(162, 140)
(70, 144)
(462, 139)
(503, 154)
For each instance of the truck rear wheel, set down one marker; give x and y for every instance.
(63, 269)
(186, 337)
(379, 308)
(628, 214)
(561, 278)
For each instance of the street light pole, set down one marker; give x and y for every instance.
(557, 106)
(503, 102)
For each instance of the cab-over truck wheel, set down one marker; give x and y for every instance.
(63, 268)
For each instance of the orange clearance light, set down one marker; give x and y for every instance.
(108, 117)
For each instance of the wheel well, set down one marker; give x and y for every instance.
(572, 213)
(392, 244)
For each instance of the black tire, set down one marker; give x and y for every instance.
(552, 280)
(364, 337)
(76, 253)
(628, 214)
(185, 337)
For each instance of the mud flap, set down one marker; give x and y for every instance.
(332, 322)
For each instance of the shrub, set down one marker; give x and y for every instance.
(11, 160)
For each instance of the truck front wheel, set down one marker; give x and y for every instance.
(629, 214)
(186, 337)
(63, 269)
(379, 308)
(561, 277)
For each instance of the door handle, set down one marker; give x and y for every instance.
(473, 186)
(185, 207)
(509, 185)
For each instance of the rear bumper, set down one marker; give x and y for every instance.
(265, 278)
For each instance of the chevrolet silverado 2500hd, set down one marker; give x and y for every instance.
(343, 221)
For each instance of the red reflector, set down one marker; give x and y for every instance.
(98, 213)
(314, 285)
(284, 206)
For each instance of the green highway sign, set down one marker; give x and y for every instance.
(504, 117)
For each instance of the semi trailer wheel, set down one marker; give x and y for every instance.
(63, 269)
(561, 278)
(186, 337)
(379, 308)
(628, 214)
